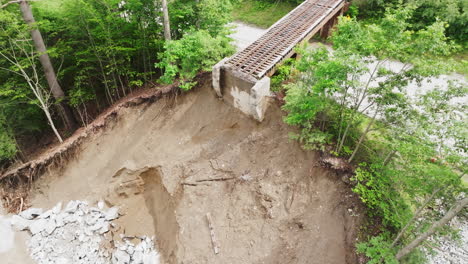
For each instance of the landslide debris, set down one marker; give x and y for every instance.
(82, 234)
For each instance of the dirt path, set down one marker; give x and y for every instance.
(170, 163)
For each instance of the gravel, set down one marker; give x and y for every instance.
(449, 250)
(77, 234)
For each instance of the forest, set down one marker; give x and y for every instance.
(63, 62)
(98, 51)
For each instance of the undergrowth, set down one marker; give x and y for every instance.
(262, 13)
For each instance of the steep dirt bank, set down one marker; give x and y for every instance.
(170, 163)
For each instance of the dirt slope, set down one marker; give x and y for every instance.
(170, 163)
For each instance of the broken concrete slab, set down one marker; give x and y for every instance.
(19, 223)
(76, 233)
(31, 213)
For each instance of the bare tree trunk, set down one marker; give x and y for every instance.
(361, 139)
(421, 238)
(49, 72)
(51, 123)
(415, 216)
(167, 26)
(418, 212)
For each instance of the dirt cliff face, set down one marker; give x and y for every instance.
(169, 163)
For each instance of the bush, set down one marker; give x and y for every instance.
(7, 146)
(378, 249)
(196, 51)
(375, 186)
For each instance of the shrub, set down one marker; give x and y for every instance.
(196, 51)
(378, 249)
(7, 146)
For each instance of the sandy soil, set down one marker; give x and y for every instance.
(170, 163)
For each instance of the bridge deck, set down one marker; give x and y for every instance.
(278, 42)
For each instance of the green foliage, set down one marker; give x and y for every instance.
(19, 114)
(8, 147)
(262, 13)
(209, 15)
(353, 10)
(393, 38)
(283, 73)
(102, 49)
(427, 12)
(401, 138)
(376, 189)
(196, 51)
(378, 249)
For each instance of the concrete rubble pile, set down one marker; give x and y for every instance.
(79, 234)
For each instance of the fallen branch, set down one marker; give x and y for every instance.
(212, 234)
(205, 181)
(216, 179)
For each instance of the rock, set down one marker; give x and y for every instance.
(104, 228)
(120, 257)
(77, 235)
(151, 258)
(72, 206)
(112, 213)
(19, 223)
(130, 249)
(31, 213)
(137, 257)
(57, 208)
(38, 226)
(50, 227)
(91, 219)
(63, 260)
(100, 205)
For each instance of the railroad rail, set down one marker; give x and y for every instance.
(260, 58)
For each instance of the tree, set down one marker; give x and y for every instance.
(459, 205)
(209, 15)
(17, 50)
(166, 22)
(426, 13)
(47, 66)
(196, 51)
(409, 148)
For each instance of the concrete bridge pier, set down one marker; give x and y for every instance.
(246, 93)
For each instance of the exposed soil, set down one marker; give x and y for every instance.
(169, 163)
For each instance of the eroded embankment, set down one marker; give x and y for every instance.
(15, 183)
(168, 164)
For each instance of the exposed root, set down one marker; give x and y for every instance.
(14, 201)
(336, 163)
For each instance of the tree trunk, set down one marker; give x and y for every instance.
(49, 72)
(361, 139)
(415, 216)
(419, 211)
(167, 26)
(421, 238)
